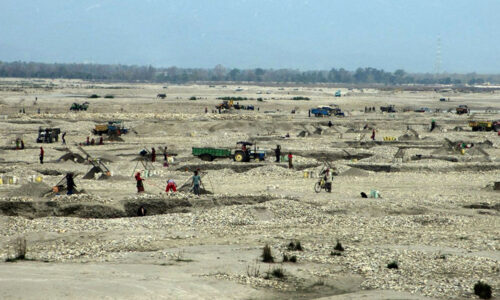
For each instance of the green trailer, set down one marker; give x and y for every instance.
(209, 154)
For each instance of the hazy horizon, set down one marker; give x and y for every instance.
(305, 35)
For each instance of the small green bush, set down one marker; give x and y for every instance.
(301, 98)
(393, 265)
(109, 96)
(482, 290)
(338, 247)
(260, 99)
(192, 98)
(285, 258)
(267, 256)
(336, 253)
(278, 273)
(93, 96)
(295, 246)
(293, 259)
(233, 98)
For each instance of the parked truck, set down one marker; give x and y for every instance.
(485, 125)
(111, 128)
(48, 135)
(242, 153)
(326, 111)
(462, 109)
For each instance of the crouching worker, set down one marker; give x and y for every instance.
(140, 185)
(171, 186)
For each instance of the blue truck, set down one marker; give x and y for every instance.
(327, 111)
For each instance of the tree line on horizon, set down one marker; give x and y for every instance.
(221, 74)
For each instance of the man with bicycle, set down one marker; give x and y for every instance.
(328, 180)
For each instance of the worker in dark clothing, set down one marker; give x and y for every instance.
(88, 141)
(47, 136)
(433, 124)
(277, 151)
(63, 137)
(70, 183)
(330, 124)
(153, 154)
(101, 141)
(140, 185)
(42, 153)
(290, 163)
(373, 134)
(22, 144)
(92, 142)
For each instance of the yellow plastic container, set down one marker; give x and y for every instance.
(306, 174)
(39, 179)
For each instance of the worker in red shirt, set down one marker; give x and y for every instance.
(42, 153)
(140, 185)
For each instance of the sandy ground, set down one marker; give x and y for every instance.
(438, 216)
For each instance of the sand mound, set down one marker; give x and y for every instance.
(31, 189)
(355, 172)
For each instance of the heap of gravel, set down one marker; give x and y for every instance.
(355, 172)
(31, 189)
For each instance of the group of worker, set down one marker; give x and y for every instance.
(277, 152)
(171, 185)
(89, 141)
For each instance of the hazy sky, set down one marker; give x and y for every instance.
(304, 34)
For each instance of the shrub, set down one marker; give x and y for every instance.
(109, 96)
(336, 253)
(393, 265)
(20, 249)
(338, 247)
(301, 98)
(233, 98)
(278, 272)
(295, 246)
(192, 98)
(260, 99)
(285, 258)
(293, 259)
(267, 256)
(482, 290)
(93, 96)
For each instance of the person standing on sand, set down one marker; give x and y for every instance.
(290, 157)
(22, 144)
(373, 134)
(140, 185)
(153, 154)
(63, 137)
(42, 153)
(196, 183)
(70, 183)
(277, 152)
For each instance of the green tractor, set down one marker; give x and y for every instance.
(78, 107)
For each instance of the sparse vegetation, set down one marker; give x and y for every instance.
(234, 98)
(338, 247)
(192, 98)
(482, 290)
(267, 256)
(301, 98)
(278, 272)
(109, 96)
(392, 265)
(94, 96)
(20, 250)
(253, 271)
(295, 246)
(292, 258)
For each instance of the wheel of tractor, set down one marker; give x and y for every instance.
(317, 187)
(206, 157)
(239, 157)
